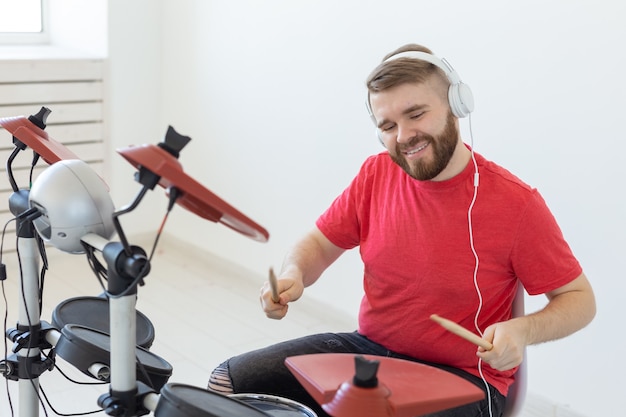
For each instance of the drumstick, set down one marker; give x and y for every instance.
(274, 286)
(461, 331)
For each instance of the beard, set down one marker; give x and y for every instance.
(443, 146)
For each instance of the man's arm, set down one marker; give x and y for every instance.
(569, 309)
(302, 266)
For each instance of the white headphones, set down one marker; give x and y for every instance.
(460, 95)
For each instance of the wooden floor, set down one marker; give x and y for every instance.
(203, 310)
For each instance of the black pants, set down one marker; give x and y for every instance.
(263, 372)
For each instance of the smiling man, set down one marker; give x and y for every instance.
(419, 130)
(440, 230)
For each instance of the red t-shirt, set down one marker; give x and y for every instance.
(415, 245)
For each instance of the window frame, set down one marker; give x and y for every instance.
(24, 38)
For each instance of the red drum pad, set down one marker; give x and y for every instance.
(406, 388)
(195, 197)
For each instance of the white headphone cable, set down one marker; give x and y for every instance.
(477, 261)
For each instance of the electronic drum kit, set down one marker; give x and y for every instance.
(106, 338)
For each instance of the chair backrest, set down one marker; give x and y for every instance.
(517, 391)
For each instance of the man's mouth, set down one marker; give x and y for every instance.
(415, 150)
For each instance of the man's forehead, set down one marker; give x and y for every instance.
(406, 95)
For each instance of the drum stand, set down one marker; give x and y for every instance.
(126, 267)
(31, 335)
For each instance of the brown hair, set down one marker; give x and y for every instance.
(403, 70)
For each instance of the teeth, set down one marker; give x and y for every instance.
(416, 150)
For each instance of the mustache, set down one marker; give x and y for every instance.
(414, 141)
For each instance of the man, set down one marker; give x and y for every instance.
(440, 230)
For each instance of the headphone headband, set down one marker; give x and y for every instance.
(460, 96)
(424, 56)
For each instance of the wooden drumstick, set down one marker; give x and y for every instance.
(274, 286)
(462, 332)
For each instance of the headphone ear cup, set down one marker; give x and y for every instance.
(373, 119)
(380, 138)
(461, 99)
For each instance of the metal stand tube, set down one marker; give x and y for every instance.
(29, 315)
(123, 342)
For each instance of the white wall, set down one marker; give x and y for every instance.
(272, 94)
(134, 102)
(78, 27)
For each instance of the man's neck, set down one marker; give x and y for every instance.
(457, 164)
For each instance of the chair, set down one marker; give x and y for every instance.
(517, 391)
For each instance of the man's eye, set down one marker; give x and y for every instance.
(387, 128)
(417, 115)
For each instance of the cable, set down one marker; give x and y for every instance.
(6, 346)
(471, 228)
(32, 169)
(31, 328)
(6, 315)
(477, 260)
(10, 159)
(482, 376)
(101, 272)
(174, 194)
(43, 393)
(56, 366)
(143, 272)
(96, 266)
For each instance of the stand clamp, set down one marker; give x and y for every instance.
(126, 404)
(17, 367)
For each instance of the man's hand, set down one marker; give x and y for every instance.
(289, 289)
(508, 342)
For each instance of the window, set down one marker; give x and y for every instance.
(23, 22)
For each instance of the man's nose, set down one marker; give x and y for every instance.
(405, 134)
